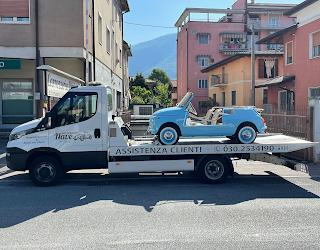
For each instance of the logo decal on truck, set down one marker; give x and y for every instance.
(73, 135)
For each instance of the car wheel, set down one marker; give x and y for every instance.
(213, 169)
(45, 171)
(168, 135)
(246, 134)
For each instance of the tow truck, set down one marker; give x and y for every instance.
(82, 132)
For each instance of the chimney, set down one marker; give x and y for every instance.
(252, 1)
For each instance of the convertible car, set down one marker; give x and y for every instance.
(236, 123)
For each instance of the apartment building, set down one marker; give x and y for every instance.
(230, 79)
(201, 43)
(43, 53)
(301, 42)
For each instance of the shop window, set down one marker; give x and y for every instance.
(17, 102)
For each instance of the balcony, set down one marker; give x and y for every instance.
(272, 24)
(219, 80)
(233, 47)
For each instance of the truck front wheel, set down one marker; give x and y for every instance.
(45, 171)
(213, 169)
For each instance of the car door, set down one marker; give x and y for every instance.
(76, 128)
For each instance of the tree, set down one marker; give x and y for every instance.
(143, 93)
(140, 81)
(210, 103)
(137, 100)
(162, 94)
(160, 76)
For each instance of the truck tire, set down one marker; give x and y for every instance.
(45, 171)
(213, 169)
(168, 135)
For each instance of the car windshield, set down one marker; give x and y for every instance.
(185, 99)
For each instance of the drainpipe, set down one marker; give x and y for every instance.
(187, 59)
(93, 45)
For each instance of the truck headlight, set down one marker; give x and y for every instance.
(18, 135)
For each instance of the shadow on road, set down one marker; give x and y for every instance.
(22, 201)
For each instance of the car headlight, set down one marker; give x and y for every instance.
(151, 123)
(18, 135)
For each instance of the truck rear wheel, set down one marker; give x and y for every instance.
(213, 169)
(45, 171)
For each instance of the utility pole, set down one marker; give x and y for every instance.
(253, 83)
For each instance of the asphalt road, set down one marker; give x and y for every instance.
(262, 207)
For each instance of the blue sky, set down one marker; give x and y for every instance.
(166, 13)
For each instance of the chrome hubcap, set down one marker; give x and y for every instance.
(168, 135)
(45, 172)
(246, 134)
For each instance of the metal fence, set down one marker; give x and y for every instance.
(292, 125)
(126, 116)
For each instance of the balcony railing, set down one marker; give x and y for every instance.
(228, 46)
(219, 80)
(269, 24)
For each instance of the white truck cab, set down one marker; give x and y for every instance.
(81, 132)
(74, 134)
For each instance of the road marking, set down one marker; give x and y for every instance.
(2, 155)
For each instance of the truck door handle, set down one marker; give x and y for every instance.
(97, 133)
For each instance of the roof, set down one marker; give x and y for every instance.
(147, 80)
(240, 55)
(124, 5)
(276, 38)
(299, 7)
(279, 80)
(264, 7)
(127, 47)
(174, 83)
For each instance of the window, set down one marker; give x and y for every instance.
(214, 98)
(120, 58)
(120, 20)
(203, 39)
(108, 42)
(100, 29)
(223, 99)
(203, 83)
(116, 53)
(314, 92)
(265, 96)
(268, 68)
(282, 102)
(76, 108)
(315, 40)
(16, 11)
(273, 21)
(110, 100)
(203, 62)
(289, 53)
(233, 98)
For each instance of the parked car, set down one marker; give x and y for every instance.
(237, 123)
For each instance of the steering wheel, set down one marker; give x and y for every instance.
(192, 109)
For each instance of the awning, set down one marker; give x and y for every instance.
(233, 35)
(204, 34)
(279, 80)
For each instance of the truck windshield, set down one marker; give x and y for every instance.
(185, 99)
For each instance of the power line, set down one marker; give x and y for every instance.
(150, 25)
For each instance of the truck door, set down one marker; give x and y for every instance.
(76, 128)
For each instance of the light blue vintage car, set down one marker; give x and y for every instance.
(236, 123)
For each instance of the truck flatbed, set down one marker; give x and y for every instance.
(263, 144)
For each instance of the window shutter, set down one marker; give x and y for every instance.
(289, 49)
(276, 72)
(316, 39)
(14, 8)
(261, 68)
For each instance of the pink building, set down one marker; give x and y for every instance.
(202, 43)
(301, 74)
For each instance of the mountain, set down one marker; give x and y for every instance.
(159, 53)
